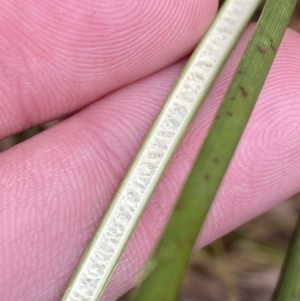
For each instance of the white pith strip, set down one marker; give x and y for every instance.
(106, 247)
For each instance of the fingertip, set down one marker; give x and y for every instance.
(64, 55)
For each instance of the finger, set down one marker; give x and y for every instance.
(57, 185)
(59, 56)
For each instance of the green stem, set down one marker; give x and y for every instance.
(163, 274)
(288, 286)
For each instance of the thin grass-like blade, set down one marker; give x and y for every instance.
(288, 286)
(163, 275)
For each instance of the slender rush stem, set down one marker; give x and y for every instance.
(109, 240)
(288, 286)
(163, 275)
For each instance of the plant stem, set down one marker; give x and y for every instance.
(223, 269)
(163, 274)
(288, 286)
(109, 240)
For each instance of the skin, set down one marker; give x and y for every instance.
(113, 63)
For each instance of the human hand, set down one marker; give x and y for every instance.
(59, 57)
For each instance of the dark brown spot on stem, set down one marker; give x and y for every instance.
(240, 72)
(261, 50)
(216, 160)
(230, 114)
(217, 117)
(178, 207)
(243, 91)
(272, 46)
(207, 177)
(232, 98)
(179, 244)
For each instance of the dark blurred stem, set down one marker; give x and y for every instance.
(20, 137)
(288, 286)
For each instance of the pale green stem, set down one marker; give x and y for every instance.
(288, 286)
(109, 240)
(164, 272)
